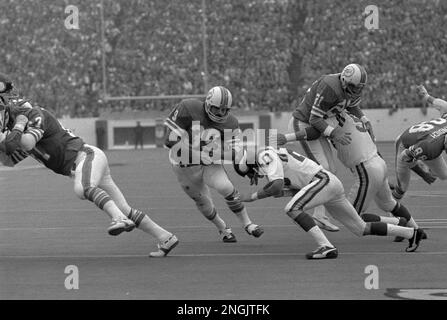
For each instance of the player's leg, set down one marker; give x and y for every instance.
(369, 179)
(216, 177)
(311, 195)
(342, 210)
(403, 173)
(191, 181)
(319, 151)
(166, 240)
(91, 165)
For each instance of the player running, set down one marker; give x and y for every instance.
(32, 130)
(196, 167)
(311, 185)
(327, 96)
(423, 142)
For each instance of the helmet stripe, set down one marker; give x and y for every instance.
(224, 97)
(362, 74)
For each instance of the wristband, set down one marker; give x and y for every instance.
(364, 119)
(291, 136)
(19, 126)
(328, 131)
(254, 196)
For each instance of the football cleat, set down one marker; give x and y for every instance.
(324, 223)
(402, 223)
(324, 252)
(413, 243)
(227, 235)
(165, 247)
(254, 230)
(117, 226)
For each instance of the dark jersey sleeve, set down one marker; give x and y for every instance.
(177, 122)
(325, 99)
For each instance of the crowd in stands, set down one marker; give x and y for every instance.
(267, 52)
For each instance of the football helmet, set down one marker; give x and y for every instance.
(218, 104)
(353, 79)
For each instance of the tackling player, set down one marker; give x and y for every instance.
(311, 185)
(35, 131)
(361, 157)
(195, 177)
(423, 142)
(327, 96)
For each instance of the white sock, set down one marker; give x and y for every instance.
(404, 232)
(319, 237)
(390, 220)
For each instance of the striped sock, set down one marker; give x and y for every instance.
(98, 196)
(136, 216)
(143, 222)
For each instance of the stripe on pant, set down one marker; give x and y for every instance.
(363, 188)
(301, 202)
(87, 167)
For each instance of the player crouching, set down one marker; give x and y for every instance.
(310, 185)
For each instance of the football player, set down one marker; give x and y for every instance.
(35, 131)
(312, 185)
(187, 119)
(326, 97)
(423, 142)
(361, 157)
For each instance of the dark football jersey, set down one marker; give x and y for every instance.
(323, 99)
(425, 140)
(190, 115)
(56, 147)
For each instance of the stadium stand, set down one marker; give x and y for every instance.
(266, 51)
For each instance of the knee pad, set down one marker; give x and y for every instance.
(205, 206)
(234, 202)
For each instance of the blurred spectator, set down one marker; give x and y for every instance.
(267, 52)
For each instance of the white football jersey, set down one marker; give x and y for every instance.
(361, 148)
(287, 164)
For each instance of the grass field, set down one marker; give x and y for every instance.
(44, 228)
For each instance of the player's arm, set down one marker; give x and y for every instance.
(309, 133)
(271, 166)
(437, 103)
(325, 99)
(354, 109)
(12, 141)
(176, 124)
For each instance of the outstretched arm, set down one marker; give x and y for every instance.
(437, 103)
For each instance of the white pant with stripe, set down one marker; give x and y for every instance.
(92, 170)
(327, 190)
(371, 183)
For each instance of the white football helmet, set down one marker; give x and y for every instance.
(218, 104)
(353, 79)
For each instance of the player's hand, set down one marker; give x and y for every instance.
(344, 138)
(421, 91)
(246, 197)
(406, 156)
(253, 176)
(428, 177)
(278, 138)
(20, 123)
(369, 128)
